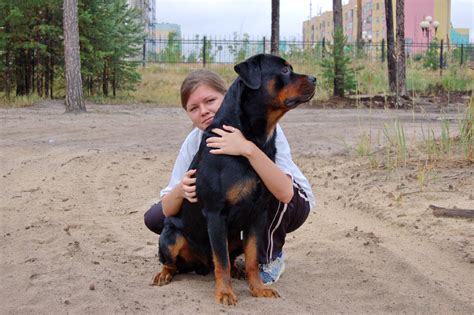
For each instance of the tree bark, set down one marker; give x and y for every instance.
(338, 50)
(74, 98)
(105, 81)
(391, 61)
(401, 75)
(114, 83)
(20, 61)
(275, 38)
(8, 66)
(359, 25)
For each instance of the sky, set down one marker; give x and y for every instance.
(224, 17)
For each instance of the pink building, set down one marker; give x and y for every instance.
(373, 21)
(417, 10)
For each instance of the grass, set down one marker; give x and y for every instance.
(160, 83)
(438, 144)
(18, 101)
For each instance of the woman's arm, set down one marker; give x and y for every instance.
(186, 189)
(232, 142)
(182, 184)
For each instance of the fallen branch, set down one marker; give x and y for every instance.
(452, 212)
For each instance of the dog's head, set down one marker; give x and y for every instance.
(272, 87)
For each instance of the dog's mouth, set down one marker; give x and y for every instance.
(293, 102)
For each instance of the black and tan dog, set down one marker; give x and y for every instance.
(230, 215)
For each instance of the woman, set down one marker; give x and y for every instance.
(202, 93)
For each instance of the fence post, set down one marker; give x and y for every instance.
(264, 43)
(462, 54)
(441, 59)
(383, 50)
(204, 52)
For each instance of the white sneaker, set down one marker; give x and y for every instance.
(271, 272)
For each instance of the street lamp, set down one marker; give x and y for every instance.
(426, 25)
(366, 37)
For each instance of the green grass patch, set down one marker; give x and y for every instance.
(18, 101)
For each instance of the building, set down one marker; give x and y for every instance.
(373, 25)
(161, 31)
(459, 36)
(148, 9)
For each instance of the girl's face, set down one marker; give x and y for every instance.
(202, 105)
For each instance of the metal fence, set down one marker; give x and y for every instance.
(226, 51)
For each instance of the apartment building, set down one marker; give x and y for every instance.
(148, 9)
(373, 21)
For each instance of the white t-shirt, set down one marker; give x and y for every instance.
(283, 160)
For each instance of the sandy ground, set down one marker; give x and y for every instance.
(75, 187)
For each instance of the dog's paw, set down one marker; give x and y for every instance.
(162, 278)
(264, 292)
(227, 298)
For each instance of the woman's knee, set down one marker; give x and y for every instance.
(299, 209)
(154, 218)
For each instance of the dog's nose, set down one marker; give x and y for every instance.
(312, 79)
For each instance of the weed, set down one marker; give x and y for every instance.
(397, 140)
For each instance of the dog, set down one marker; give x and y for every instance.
(230, 214)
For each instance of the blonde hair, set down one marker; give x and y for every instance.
(201, 77)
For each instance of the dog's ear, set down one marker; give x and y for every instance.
(250, 72)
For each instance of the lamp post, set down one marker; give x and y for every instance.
(427, 26)
(366, 38)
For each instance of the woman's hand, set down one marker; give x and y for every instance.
(230, 142)
(188, 186)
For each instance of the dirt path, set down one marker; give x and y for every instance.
(75, 189)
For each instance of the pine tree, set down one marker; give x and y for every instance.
(401, 75)
(72, 72)
(338, 49)
(391, 60)
(359, 27)
(32, 53)
(275, 35)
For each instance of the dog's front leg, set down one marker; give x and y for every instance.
(257, 288)
(217, 229)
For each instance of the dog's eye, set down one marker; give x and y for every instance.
(285, 70)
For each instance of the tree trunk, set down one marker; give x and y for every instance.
(8, 67)
(391, 62)
(359, 26)
(72, 61)
(20, 61)
(51, 78)
(39, 74)
(401, 76)
(90, 85)
(114, 83)
(33, 70)
(28, 72)
(46, 76)
(275, 40)
(105, 81)
(338, 49)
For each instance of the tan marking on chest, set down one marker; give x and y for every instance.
(241, 190)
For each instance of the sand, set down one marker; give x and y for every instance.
(75, 188)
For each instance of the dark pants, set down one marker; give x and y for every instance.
(282, 219)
